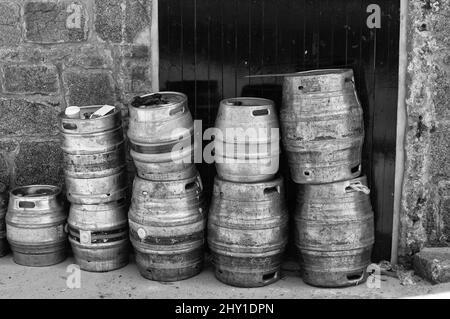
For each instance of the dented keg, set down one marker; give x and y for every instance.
(94, 156)
(35, 225)
(246, 142)
(167, 221)
(322, 126)
(98, 235)
(3, 241)
(335, 232)
(247, 231)
(161, 136)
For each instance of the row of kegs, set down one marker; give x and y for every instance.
(247, 221)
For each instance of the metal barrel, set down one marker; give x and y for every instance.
(94, 156)
(3, 241)
(334, 232)
(161, 133)
(247, 231)
(322, 126)
(35, 224)
(246, 142)
(98, 235)
(167, 221)
(91, 191)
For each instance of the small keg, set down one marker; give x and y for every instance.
(334, 232)
(247, 231)
(98, 235)
(167, 221)
(246, 142)
(161, 133)
(322, 126)
(94, 156)
(35, 224)
(3, 241)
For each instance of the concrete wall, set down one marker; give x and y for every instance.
(59, 53)
(425, 206)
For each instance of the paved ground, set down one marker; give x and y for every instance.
(50, 282)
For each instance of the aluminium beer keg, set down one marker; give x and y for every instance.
(3, 241)
(167, 221)
(35, 224)
(94, 156)
(247, 231)
(322, 126)
(98, 235)
(246, 142)
(334, 232)
(161, 136)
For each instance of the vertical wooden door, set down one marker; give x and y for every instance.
(207, 47)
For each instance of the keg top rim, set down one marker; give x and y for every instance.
(35, 191)
(247, 101)
(63, 116)
(316, 72)
(173, 97)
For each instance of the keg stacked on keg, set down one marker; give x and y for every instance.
(96, 182)
(167, 215)
(247, 225)
(323, 133)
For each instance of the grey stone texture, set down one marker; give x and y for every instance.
(10, 33)
(425, 216)
(55, 22)
(89, 88)
(30, 79)
(59, 53)
(433, 264)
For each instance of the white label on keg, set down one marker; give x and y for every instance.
(85, 237)
(141, 233)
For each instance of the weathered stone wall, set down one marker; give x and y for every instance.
(425, 211)
(59, 53)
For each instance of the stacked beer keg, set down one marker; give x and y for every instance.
(323, 133)
(96, 182)
(167, 216)
(247, 225)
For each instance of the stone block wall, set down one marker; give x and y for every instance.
(58, 53)
(425, 210)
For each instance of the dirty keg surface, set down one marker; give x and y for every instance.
(50, 282)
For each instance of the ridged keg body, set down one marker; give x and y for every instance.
(98, 235)
(35, 225)
(3, 241)
(247, 231)
(246, 143)
(167, 221)
(161, 137)
(94, 157)
(334, 232)
(322, 126)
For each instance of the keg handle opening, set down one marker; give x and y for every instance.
(26, 204)
(357, 186)
(69, 126)
(270, 276)
(270, 190)
(355, 169)
(260, 112)
(355, 278)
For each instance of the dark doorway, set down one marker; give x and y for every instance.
(207, 47)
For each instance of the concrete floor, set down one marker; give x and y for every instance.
(50, 282)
